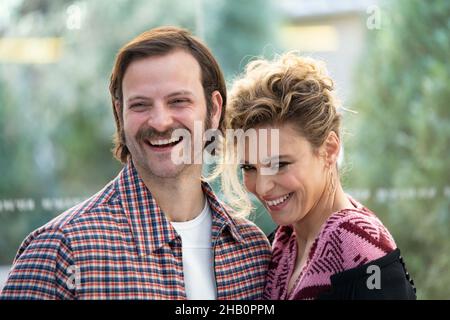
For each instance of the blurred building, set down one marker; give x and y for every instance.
(333, 31)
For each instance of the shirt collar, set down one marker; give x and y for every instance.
(150, 227)
(221, 214)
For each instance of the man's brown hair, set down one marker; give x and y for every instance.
(158, 42)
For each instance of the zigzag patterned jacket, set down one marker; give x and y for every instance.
(340, 262)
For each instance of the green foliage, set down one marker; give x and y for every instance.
(402, 133)
(241, 30)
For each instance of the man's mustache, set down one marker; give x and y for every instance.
(150, 134)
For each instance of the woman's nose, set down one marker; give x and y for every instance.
(264, 185)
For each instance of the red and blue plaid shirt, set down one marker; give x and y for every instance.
(119, 245)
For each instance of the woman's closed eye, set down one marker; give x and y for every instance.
(280, 165)
(277, 165)
(247, 167)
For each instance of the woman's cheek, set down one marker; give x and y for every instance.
(249, 183)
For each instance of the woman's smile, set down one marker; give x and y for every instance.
(277, 203)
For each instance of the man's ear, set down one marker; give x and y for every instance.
(216, 112)
(331, 148)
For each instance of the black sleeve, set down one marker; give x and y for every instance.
(382, 279)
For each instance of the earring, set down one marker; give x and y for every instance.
(331, 182)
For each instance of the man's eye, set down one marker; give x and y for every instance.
(180, 101)
(246, 167)
(137, 106)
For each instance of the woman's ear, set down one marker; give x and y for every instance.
(331, 146)
(216, 112)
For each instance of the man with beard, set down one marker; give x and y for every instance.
(157, 231)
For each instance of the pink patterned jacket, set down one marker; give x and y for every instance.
(348, 239)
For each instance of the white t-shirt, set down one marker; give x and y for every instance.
(199, 279)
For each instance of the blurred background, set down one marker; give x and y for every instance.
(389, 60)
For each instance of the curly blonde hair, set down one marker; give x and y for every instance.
(291, 90)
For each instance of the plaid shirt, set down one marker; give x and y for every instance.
(119, 245)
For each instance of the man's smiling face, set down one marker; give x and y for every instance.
(161, 94)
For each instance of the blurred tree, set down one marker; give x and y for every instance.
(238, 31)
(402, 134)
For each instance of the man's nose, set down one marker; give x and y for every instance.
(264, 184)
(160, 118)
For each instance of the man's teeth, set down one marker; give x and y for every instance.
(279, 200)
(162, 142)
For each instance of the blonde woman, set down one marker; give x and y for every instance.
(327, 245)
